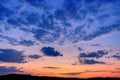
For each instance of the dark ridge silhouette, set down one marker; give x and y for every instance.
(29, 77)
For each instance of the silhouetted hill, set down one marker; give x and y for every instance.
(29, 77)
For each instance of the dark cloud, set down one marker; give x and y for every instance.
(89, 1)
(8, 70)
(102, 31)
(47, 21)
(4, 12)
(72, 73)
(13, 21)
(115, 71)
(26, 43)
(10, 40)
(109, 0)
(11, 56)
(90, 61)
(60, 15)
(96, 45)
(72, 9)
(14, 41)
(116, 56)
(86, 71)
(44, 36)
(50, 51)
(37, 3)
(117, 68)
(80, 49)
(51, 67)
(34, 56)
(33, 18)
(38, 34)
(98, 54)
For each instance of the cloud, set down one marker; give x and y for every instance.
(86, 71)
(60, 15)
(4, 12)
(117, 68)
(53, 24)
(14, 41)
(50, 51)
(26, 43)
(10, 40)
(102, 31)
(51, 67)
(98, 54)
(36, 3)
(13, 21)
(38, 34)
(80, 49)
(8, 70)
(115, 71)
(72, 73)
(11, 56)
(32, 18)
(96, 45)
(90, 61)
(73, 10)
(34, 56)
(116, 56)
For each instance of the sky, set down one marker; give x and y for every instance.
(60, 38)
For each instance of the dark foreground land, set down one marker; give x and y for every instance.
(28, 77)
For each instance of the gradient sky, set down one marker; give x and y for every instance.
(62, 38)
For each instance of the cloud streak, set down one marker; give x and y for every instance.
(51, 67)
(90, 61)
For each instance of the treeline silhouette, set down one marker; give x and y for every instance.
(29, 77)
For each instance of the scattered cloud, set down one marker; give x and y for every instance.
(80, 49)
(37, 3)
(34, 56)
(96, 45)
(90, 61)
(116, 56)
(5, 12)
(26, 43)
(52, 22)
(11, 56)
(8, 70)
(10, 40)
(98, 54)
(50, 51)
